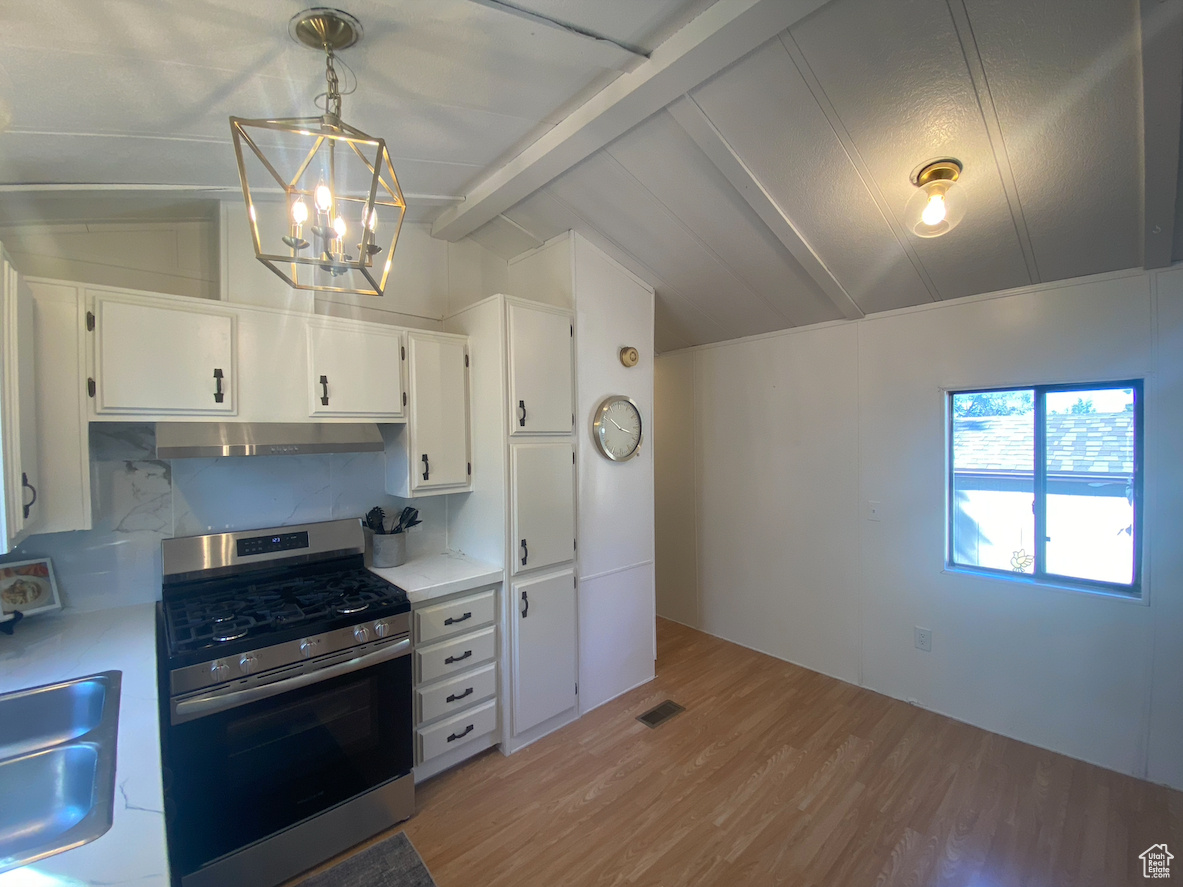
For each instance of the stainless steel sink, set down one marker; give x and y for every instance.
(50, 715)
(57, 766)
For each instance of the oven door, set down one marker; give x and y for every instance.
(242, 773)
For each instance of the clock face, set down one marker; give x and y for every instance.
(617, 429)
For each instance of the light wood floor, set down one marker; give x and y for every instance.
(779, 775)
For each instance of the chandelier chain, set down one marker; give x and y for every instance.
(333, 94)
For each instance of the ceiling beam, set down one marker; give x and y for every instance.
(1162, 98)
(722, 34)
(718, 150)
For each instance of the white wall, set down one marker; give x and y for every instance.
(178, 257)
(795, 432)
(615, 503)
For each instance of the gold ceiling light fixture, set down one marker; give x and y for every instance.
(339, 188)
(939, 202)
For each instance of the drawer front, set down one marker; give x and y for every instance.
(456, 731)
(463, 614)
(456, 694)
(450, 657)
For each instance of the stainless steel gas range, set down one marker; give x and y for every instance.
(288, 730)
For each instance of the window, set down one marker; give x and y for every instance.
(1046, 483)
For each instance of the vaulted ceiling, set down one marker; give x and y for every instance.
(749, 158)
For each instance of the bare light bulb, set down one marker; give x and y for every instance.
(324, 198)
(339, 227)
(938, 204)
(934, 212)
(299, 212)
(373, 223)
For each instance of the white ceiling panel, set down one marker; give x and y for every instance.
(641, 24)
(765, 111)
(619, 206)
(503, 238)
(895, 75)
(660, 154)
(1065, 76)
(543, 216)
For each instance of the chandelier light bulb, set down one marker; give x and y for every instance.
(938, 204)
(373, 223)
(324, 198)
(299, 212)
(339, 227)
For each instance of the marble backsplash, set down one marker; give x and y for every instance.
(138, 500)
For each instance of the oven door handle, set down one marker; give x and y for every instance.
(212, 703)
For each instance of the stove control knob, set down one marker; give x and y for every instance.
(219, 671)
(305, 649)
(248, 663)
(362, 634)
(381, 629)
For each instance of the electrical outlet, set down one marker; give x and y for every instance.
(924, 639)
(873, 509)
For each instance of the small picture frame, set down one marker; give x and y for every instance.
(27, 587)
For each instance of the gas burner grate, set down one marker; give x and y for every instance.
(213, 618)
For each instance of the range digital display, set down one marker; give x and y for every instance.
(268, 544)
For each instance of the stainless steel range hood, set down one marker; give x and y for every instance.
(195, 440)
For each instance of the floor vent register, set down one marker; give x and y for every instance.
(660, 714)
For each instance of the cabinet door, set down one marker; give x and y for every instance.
(438, 410)
(543, 505)
(540, 371)
(18, 411)
(354, 371)
(163, 359)
(543, 649)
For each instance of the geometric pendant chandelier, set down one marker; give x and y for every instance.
(342, 205)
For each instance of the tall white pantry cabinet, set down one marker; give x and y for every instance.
(574, 532)
(521, 511)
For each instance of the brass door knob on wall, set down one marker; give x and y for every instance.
(629, 356)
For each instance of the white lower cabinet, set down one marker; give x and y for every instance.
(456, 680)
(544, 643)
(457, 731)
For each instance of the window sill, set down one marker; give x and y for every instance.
(1050, 585)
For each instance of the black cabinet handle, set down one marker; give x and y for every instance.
(522, 417)
(426, 468)
(28, 505)
(324, 398)
(525, 605)
(461, 734)
(218, 395)
(460, 658)
(525, 553)
(452, 620)
(467, 692)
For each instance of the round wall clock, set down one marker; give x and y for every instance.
(617, 428)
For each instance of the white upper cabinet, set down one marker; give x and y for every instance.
(18, 409)
(431, 454)
(540, 376)
(543, 477)
(162, 359)
(544, 644)
(354, 369)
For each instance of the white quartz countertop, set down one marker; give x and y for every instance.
(426, 578)
(59, 646)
